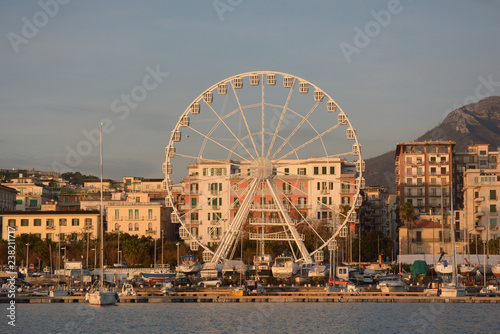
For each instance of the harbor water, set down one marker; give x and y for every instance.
(257, 318)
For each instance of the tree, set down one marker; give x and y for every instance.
(407, 213)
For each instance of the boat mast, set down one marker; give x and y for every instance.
(102, 223)
(452, 231)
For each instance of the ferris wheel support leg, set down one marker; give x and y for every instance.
(296, 237)
(234, 229)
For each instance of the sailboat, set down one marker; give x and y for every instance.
(58, 291)
(453, 289)
(99, 295)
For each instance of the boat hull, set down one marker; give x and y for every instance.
(496, 270)
(101, 298)
(59, 293)
(453, 292)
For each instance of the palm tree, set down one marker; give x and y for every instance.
(407, 213)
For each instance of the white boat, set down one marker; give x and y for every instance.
(496, 270)
(263, 264)
(209, 270)
(466, 270)
(59, 292)
(128, 290)
(234, 271)
(453, 291)
(392, 283)
(443, 268)
(188, 265)
(317, 271)
(100, 296)
(284, 267)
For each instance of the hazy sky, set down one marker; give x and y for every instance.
(395, 69)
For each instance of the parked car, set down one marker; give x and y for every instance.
(211, 282)
(182, 281)
(137, 282)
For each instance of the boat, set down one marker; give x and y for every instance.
(234, 271)
(496, 270)
(453, 289)
(188, 265)
(156, 277)
(419, 271)
(443, 268)
(128, 290)
(239, 292)
(209, 270)
(317, 272)
(99, 295)
(284, 267)
(59, 292)
(392, 283)
(263, 271)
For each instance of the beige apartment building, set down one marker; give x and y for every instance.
(52, 225)
(481, 199)
(426, 237)
(7, 198)
(32, 193)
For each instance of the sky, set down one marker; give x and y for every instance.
(395, 67)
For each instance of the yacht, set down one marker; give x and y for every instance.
(189, 265)
(263, 265)
(99, 295)
(391, 283)
(284, 267)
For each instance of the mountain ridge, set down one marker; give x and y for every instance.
(475, 123)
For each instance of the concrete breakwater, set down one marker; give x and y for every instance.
(278, 298)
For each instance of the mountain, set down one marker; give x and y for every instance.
(476, 123)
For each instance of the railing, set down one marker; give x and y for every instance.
(263, 207)
(214, 222)
(50, 227)
(348, 191)
(303, 206)
(150, 231)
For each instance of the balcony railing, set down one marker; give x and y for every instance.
(50, 227)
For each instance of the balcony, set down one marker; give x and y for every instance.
(150, 231)
(214, 222)
(479, 214)
(50, 227)
(493, 213)
(88, 227)
(347, 191)
(479, 228)
(479, 199)
(215, 237)
(303, 206)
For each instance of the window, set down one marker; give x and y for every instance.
(301, 171)
(194, 217)
(49, 222)
(62, 221)
(493, 194)
(433, 180)
(150, 213)
(194, 202)
(493, 208)
(75, 222)
(419, 180)
(88, 222)
(19, 201)
(409, 180)
(24, 222)
(493, 223)
(316, 170)
(136, 213)
(476, 194)
(150, 226)
(136, 227)
(130, 227)
(50, 236)
(37, 222)
(117, 214)
(236, 187)
(130, 213)
(287, 171)
(33, 203)
(323, 170)
(332, 170)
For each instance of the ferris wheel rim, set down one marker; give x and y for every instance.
(214, 87)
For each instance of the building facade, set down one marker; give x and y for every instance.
(7, 198)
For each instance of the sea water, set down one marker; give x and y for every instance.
(257, 318)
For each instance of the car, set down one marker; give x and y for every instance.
(210, 282)
(182, 281)
(137, 282)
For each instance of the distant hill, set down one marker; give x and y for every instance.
(476, 123)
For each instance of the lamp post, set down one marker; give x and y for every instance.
(161, 232)
(118, 231)
(95, 257)
(177, 244)
(27, 257)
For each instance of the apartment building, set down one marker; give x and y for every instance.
(7, 198)
(31, 193)
(482, 203)
(212, 192)
(52, 225)
(424, 174)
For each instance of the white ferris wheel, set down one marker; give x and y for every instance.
(266, 154)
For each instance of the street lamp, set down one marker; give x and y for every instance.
(27, 257)
(177, 244)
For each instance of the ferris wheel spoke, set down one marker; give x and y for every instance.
(312, 140)
(263, 117)
(231, 131)
(244, 119)
(305, 220)
(295, 130)
(285, 107)
(215, 142)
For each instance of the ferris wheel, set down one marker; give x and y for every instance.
(265, 154)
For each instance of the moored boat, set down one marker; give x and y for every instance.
(189, 265)
(496, 270)
(284, 267)
(392, 283)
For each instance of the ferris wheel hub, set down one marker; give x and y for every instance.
(261, 168)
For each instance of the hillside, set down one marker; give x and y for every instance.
(476, 123)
